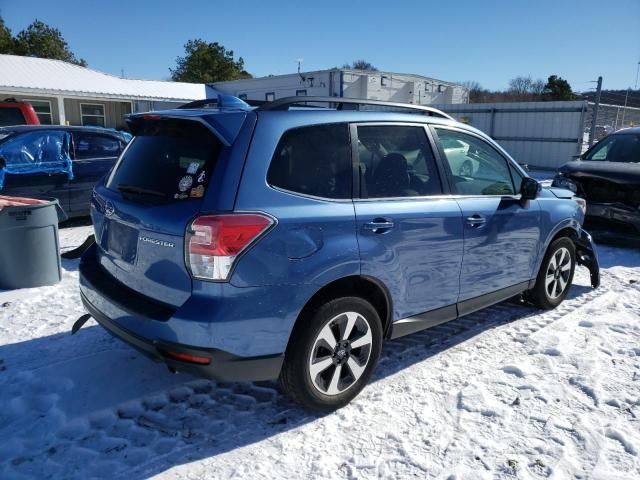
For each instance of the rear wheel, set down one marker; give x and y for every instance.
(555, 275)
(333, 354)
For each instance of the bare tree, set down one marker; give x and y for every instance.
(477, 94)
(520, 86)
(537, 88)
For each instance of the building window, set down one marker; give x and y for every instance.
(270, 96)
(301, 93)
(428, 87)
(441, 88)
(242, 96)
(384, 81)
(43, 110)
(92, 114)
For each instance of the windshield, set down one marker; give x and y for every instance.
(170, 160)
(624, 147)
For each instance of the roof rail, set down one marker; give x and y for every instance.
(285, 103)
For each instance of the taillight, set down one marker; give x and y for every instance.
(185, 357)
(214, 242)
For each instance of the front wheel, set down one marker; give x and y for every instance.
(332, 354)
(555, 275)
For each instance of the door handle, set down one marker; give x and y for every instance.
(476, 221)
(379, 225)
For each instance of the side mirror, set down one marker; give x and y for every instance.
(529, 188)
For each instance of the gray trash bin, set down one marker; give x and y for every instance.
(29, 245)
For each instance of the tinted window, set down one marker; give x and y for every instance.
(11, 116)
(167, 160)
(475, 167)
(314, 161)
(92, 145)
(617, 148)
(396, 161)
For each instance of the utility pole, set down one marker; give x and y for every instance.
(626, 97)
(594, 115)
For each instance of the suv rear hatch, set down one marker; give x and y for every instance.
(144, 206)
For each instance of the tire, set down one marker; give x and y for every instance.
(553, 283)
(319, 349)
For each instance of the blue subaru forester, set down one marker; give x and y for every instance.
(244, 244)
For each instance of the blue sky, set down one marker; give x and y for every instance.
(490, 42)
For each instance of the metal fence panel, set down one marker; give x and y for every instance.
(539, 134)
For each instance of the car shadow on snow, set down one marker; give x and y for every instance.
(88, 405)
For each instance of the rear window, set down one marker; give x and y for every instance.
(11, 116)
(168, 160)
(314, 160)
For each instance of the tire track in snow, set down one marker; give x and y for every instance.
(152, 430)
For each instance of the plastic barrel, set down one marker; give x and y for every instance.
(29, 245)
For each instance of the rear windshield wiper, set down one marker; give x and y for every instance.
(140, 191)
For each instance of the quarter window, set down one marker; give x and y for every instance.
(313, 161)
(43, 110)
(90, 145)
(92, 114)
(396, 161)
(474, 166)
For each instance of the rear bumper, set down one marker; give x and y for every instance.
(154, 336)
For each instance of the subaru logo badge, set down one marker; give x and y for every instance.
(109, 209)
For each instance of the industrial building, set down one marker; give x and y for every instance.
(348, 83)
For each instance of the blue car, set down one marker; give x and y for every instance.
(246, 244)
(57, 161)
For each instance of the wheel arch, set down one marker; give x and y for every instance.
(569, 228)
(368, 288)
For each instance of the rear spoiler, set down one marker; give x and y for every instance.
(224, 125)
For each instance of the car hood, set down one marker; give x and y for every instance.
(624, 173)
(561, 192)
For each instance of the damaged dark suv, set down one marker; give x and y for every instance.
(608, 177)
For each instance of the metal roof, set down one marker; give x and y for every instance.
(55, 77)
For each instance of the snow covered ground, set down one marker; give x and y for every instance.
(508, 393)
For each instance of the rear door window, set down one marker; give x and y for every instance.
(396, 161)
(315, 161)
(169, 160)
(94, 145)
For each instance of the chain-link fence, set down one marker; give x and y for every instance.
(609, 119)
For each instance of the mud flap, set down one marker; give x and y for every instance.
(77, 252)
(588, 256)
(79, 323)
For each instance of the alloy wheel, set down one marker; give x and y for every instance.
(558, 273)
(340, 353)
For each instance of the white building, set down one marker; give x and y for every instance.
(64, 93)
(348, 83)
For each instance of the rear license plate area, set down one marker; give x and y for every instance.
(122, 241)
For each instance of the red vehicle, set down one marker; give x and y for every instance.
(17, 113)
